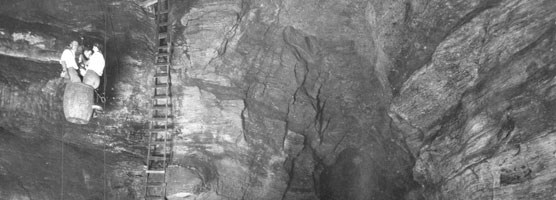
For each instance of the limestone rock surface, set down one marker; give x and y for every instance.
(476, 113)
(285, 99)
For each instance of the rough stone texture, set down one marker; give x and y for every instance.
(101, 159)
(284, 99)
(274, 99)
(476, 114)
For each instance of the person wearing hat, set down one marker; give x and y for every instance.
(69, 66)
(95, 67)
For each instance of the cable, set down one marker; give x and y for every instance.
(104, 171)
(106, 57)
(103, 100)
(62, 165)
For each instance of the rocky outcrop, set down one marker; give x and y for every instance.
(283, 99)
(101, 159)
(475, 115)
(283, 106)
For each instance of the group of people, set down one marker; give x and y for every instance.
(84, 66)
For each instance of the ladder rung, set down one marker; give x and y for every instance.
(158, 130)
(163, 115)
(160, 11)
(161, 104)
(162, 7)
(170, 126)
(160, 97)
(157, 103)
(167, 153)
(163, 54)
(163, 23)
(162, 67)
(162, 119)
(162, 35)
(162, 85)
(156, 171)
(158, 142)
(158, 127)
(159, 138)
(159, 75)
(161, 107)
(157, 158)
(156, 184)
(163, 47)
(161, 91)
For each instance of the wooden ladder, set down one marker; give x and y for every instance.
(159, 147)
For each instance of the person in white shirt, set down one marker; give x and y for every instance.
(69, 66)
(95, 67)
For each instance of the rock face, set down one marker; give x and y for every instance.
(284, 107)
(479, 115)
(284, 99)
(42, 155)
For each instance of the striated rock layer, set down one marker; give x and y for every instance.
(281, 100)
(479, 115)
(284, 99)
(42, 155)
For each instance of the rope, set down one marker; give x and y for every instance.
(62, 165)
(104, 171)
(103, 99)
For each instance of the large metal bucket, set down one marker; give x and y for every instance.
(78, 101)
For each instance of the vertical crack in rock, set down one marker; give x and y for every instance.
(291, 169)
(321, 123)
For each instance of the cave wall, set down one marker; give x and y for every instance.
(280, 99)
(478, 115)
(470, 83)
(283, 98)
(101, 159)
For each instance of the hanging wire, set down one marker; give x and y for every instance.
(104, 171)
(62, 165)
(103, 100)
(105, 57)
